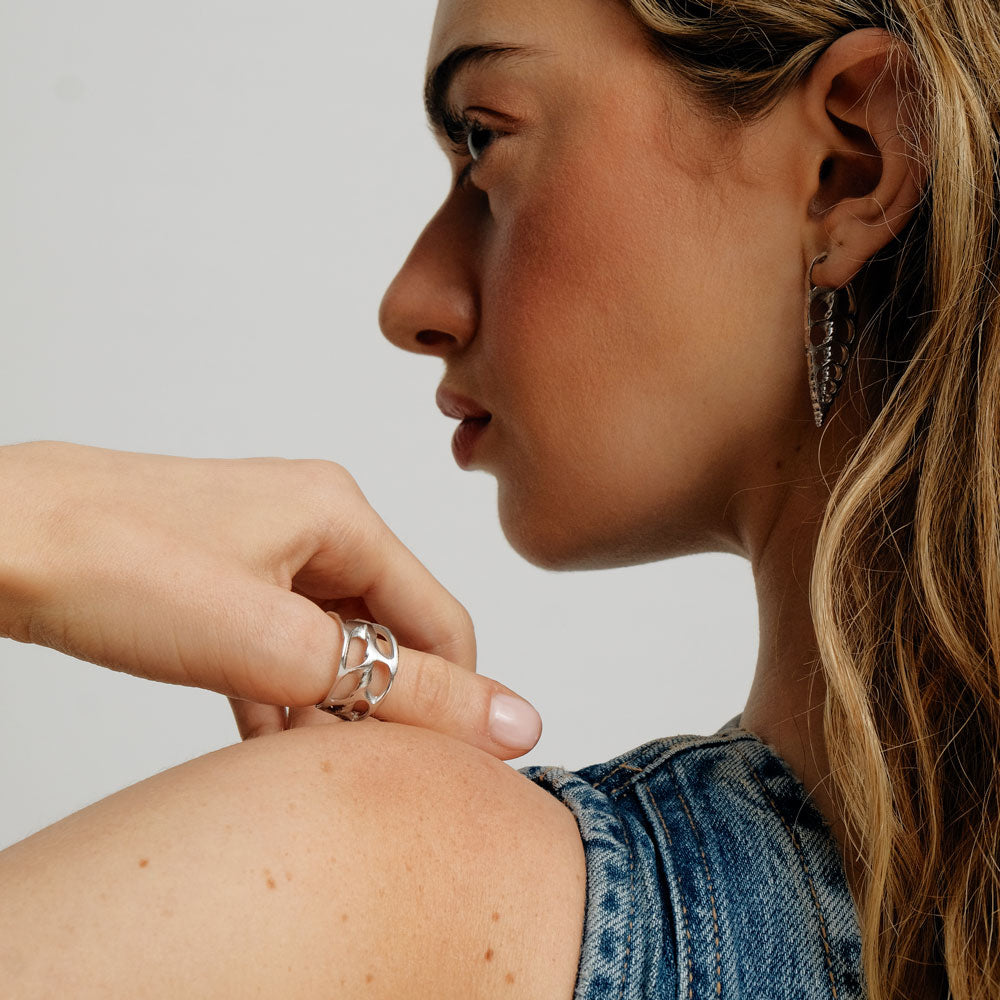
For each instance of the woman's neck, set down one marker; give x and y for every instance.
(785, 704)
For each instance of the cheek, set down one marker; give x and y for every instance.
(593, 295)
(585, 327)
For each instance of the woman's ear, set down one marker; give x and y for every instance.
(862, 97)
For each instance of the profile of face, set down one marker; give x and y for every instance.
(615, 281)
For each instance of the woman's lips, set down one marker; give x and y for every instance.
(474, 420)
(464, 440)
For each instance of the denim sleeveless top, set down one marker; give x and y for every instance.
(710, 874)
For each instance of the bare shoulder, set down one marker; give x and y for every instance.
(365, 859)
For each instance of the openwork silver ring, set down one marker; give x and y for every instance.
(353, 695)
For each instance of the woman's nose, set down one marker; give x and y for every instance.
(430, 307)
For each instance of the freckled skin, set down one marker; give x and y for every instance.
(55, 880)
(325, 766)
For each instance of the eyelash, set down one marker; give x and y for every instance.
(459, 127)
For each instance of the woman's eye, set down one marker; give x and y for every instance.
(470, 138)
(478, 140)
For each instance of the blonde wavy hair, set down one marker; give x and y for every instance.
(905, 584)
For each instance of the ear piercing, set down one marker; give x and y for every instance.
(827, 359)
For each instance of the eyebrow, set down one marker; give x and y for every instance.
(439, 80)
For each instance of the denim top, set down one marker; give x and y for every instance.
(710, 874)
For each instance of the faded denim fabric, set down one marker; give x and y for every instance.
(710, 874)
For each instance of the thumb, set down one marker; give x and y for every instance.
(272, 647)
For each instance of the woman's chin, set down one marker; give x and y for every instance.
(555, 540)
(533, 536)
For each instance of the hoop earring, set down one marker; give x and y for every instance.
(827, 360)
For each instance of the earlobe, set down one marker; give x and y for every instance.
(873, 175)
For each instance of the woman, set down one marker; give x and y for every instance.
(653, 202)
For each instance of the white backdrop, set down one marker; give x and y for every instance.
(201, 202)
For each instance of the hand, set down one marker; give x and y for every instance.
(216, 573)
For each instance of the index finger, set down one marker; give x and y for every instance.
(358, 555)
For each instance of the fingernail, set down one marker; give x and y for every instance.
(513, 722)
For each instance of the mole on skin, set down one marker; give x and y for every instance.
(325, 765)
(489, 954)
(509, 977)
(143, 862)
(496, 916)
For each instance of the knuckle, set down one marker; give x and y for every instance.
(325, 477)
(464, 627)
(457, 634)
(331, 495)
(433, 688)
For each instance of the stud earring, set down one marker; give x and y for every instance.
(827, 359)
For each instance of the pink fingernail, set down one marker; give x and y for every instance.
(513, 722)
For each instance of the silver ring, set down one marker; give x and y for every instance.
(381, 650)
